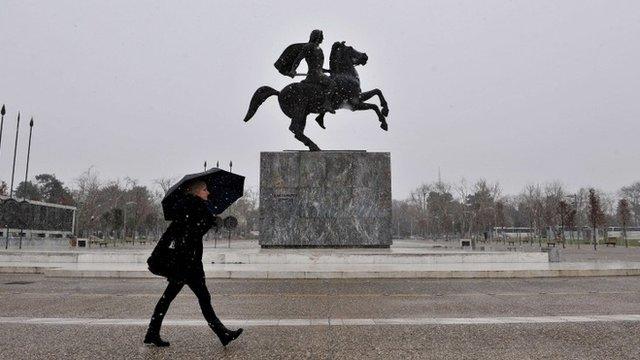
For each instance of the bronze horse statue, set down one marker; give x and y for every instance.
(298, 100)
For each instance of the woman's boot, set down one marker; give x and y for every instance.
(225, 335)
(153, 338)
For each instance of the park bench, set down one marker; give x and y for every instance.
(137, 241)
(555, 242)
(526, 240)
(611, 241)
(96, 240)
(100, 242)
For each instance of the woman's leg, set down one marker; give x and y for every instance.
(173, 288)
(199, 287)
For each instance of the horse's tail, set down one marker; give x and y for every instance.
(258, 98)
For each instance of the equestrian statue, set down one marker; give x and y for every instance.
(319, 93)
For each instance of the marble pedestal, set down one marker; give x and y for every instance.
(325, 199)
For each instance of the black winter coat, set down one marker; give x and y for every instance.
(194, 220)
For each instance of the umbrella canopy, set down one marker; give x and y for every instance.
(224, 187)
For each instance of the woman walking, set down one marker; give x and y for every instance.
(194, 219)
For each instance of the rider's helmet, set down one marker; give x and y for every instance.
(316, 36)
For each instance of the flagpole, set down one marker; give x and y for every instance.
(26, 172)
(15, 151)
(2, 112)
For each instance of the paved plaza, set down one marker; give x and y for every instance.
(573, 318)
(371, 304)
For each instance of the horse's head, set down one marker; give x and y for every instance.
(343, 56)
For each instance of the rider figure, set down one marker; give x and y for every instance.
(311, 52)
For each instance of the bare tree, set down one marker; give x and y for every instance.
(570, 221)
(531, 205)
(433, 209)
(624, 216)
(553, 194)
(632, 194)
(596, 215)
(88, 202)
(440, 208)
(419, 198)
(463, 213)
(567, 216)
(245, 210)
(482, 204)
(164, 183)
(404, 212)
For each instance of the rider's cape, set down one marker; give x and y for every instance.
(289, 55)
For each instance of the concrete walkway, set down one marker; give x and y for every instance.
(545, 318)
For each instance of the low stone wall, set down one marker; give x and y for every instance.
(37, 243)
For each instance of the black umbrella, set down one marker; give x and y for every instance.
(225, 189)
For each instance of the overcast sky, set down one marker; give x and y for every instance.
(514, 91)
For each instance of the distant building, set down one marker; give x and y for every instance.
(633, 232)
(35, 219)
(511, 232)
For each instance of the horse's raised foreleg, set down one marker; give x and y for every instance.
(320, 120)
(374, 107)
(383, 102)
(297, 128)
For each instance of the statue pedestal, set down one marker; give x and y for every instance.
(325, 199)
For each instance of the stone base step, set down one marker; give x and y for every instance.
(356, 275)
(373, 258)
(287, 256)
(338, 271)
